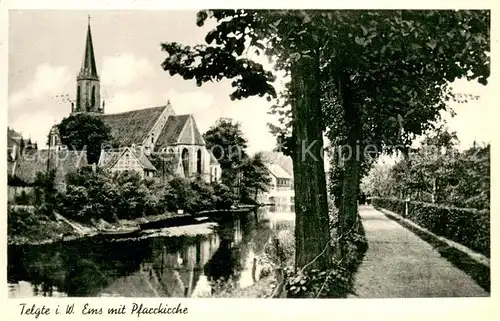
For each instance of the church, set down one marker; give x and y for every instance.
(143, 135)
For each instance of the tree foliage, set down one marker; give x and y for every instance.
(255, 177)
(438, 172)
(227, 143)
(391, 76)
(93, 195)
(45, 192)
(84, 131)
(382, 77)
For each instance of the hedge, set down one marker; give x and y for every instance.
(467, 226)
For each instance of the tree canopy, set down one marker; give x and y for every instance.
(228, 145)
(255, 176)
(437, 172)
(366, 77)
(84, 131)
(227, 142)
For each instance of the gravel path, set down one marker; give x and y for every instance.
(398, 264)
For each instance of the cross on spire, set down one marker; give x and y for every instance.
(89, 19)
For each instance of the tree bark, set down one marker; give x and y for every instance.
(312, 232)
(351, 159)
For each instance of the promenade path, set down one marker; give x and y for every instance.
(398, 264)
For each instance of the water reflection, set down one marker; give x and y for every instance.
(177, 266)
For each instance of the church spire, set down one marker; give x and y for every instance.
(89, 69)
(88, 93)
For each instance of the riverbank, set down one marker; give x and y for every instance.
(201, 260)
(27, 227)
(36, 230)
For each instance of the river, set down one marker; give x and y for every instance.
(187, 261)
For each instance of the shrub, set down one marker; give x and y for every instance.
(204, 196)
(102, 195)
(392, 204)
(178, 195)
(224, 196)
(195, 195)
(466, 226)
(20, 220)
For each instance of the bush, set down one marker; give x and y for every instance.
(204, 197)
(466, 226)
(392, 204)
(102, 195)
(194, 196)
(224, 196)
(179, 195)
(20, 220)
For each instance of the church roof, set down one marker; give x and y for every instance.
(190, 134)
(173, 128)
(89, 69)
(33, 161)
(180, 130)
(14, 138)
(12, 134)
(132, 127)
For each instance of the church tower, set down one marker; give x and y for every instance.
(88, 93)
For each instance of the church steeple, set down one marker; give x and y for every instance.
(89, 69)
(88, 97)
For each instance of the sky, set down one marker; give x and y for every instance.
(46, 50)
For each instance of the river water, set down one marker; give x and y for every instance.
(187, 261)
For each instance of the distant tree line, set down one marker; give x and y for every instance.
(436, 172)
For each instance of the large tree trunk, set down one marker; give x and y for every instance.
(352, 156)
(312, 232)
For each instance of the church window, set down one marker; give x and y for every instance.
(215, 173)
(78, 99)
(152, 138)
(198, 161)
(185, 162)
(92, 101)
